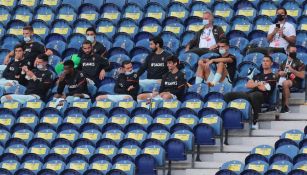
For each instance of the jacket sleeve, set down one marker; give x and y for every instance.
(45, 83)
(81, 86)
(5, 72)
(61, 87)
(104, 63)
(181, 85)
(120, 85)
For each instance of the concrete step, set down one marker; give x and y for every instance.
(296, 98)
(252, 141)
(302, 109)
(226, 149)
(201, 171)
(276, 125)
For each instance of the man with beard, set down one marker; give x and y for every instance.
(155, 64)
(93, 66)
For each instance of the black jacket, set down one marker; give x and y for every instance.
(174, 83)
(123, 82)
(218, 34)
(13, 71)
(41, 85)
(76, 84)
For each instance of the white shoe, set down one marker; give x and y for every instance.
(255, 126)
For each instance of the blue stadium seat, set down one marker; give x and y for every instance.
(247, 69)
(245, 8)
(115, 135)
(128, 26)
(7, 118)
(223, 9)
(106, 27)
(79, 165)
(155, 11)
(33, 165)
(57, 45)
(150, 25)
(198, 8)
(119, 3)
(194, 104)
(81, 25)
(146, 164)
(289, 150)
(268, 8)
(9, 3)
(111, 11)
(241, 23)
(163, 3)
(262, 23)
(133, 11)
(10, 165)
(15, 27)
(75, 5)
(45, 13)
(301, 38)
(125, 166)
(103, 39)
(75, 41)
(232, 119)
(186, 37)
(293, 9)
(56, 165)
(89, 12)
(258, 166)
(5, 14)
(264, 150)
(176, 150)
(59, 152)
(177, 9)
(194, 24)
(102, 166)
(283, 166)
(294, 134)
(243, 105)
(68, 13)
(70, 135)
(233, 165)
(54, 4)
(174, 25)
(170, 40)
(40, 28)
(61, 27)
(23, 13)
(217, 104)
(126, 44)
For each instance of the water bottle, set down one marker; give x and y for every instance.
(199, 88)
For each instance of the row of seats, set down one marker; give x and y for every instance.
(288, 157)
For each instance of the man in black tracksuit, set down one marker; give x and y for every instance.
(92, 65)
(155, 63)
(126, 86)
(173, 83)
(74, 80)
(39, 81)
(262, 87)
(13, 71)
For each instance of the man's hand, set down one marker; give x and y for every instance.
(30, 73)
(261, 86)
(59, 96)
(61, 77)
(8, 84)
(8, 58)
(209, 62)
(49, 52)
(130, 88)
(290, 68)
(79, 95)
(102, 74)
(282, 73)
(281, 33)
(213, 47)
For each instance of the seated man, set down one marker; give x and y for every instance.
(173, 83)
(75, 81)
(262, 87)
(280, 35)
(226, 67)
(292, 73)
(13, 74)
(32, 48)
(39, 82)
(207, 38)
(92, 66)
(127, 84)
(155, 63)
(98, 48)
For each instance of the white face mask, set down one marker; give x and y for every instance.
(90, 38)
(222, 51)
(129, 73)
(27, 39)
(40, 67)
(205, 22)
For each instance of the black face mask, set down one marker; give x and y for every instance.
(292, 55)
(281, 17)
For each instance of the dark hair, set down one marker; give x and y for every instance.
(91, 29)
(157, 40)
(268, 56)
(125, 63)
(224, 41)
(291, 45)
(19, 46)
(281, 8)
(86, 42)
(30, 28)
(173, 59)
(69, 63)
(43, 57)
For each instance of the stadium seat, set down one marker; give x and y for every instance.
(88, 12)
(176, 150)
(45, 13)
(223, 9)
(174, 25)
(241, 23)
(23, 13)
(146, 164)
(234, 165)
(155, 11)
(178, 10)
(61, 27)
(54, 4)
(293, 9)
(15, 27)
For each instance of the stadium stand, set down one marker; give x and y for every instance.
(202, 134)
